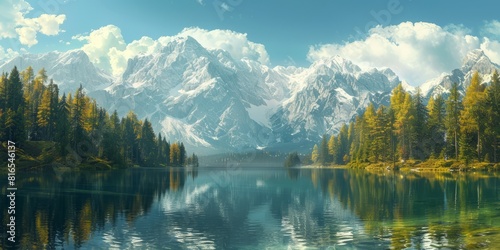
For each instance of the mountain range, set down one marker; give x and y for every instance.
(215, 103)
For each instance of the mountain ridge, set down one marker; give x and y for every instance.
(215, 103)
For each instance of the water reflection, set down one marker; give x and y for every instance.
(257, 208)
(419, 210)
(65, 209)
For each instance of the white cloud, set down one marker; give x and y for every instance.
(237, 44)
(226, 7)
(27, 35)
(415, 51)
(49, 24)
(491, 49)
(7, 54)
(80, 37)
(119, 58)
(13, 11)
(100, 42)
(14, 24)
(108, 50)
(200, 2)
(491, 28)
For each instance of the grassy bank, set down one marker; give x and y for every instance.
(431, 165)
(39, 155)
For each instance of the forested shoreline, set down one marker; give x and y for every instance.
(457, 131)
(72, 130)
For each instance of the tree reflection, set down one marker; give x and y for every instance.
(415, 209)
(258, 208)
(68, 207)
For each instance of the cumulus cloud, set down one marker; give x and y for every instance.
(119, 58)
(237, 44)
(27, 35)
(415, 51)
(13, 12)
(107, 49)
(49, 24)
(100, 42)
(13, 22)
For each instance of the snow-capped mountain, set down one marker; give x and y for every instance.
(210, 100)
(67, 69)
(215, 103)
(333, 91)
(475, 60)
(204, 98)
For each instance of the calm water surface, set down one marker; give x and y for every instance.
(255, 208)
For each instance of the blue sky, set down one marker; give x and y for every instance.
(286, 28)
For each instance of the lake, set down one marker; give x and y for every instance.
(254, 208)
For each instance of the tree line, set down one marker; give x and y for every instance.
(465, 128)
(32, 110)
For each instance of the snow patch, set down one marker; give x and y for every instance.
(262, 113)
(179, 130)
(431, 84)
(342, 95)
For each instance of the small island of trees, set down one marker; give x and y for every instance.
(292, 160)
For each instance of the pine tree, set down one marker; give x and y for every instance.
(350, 135)
(332, 147)
(452, 121)
(15, 103)
(3, 110)
(397, 103)
(101, 126)
(27, 78)
(175, 154)
(63, 126)
(292, 160)
(315, 154)
(419, 127)
(159, 150)
(472, 119)
(14, 90)
(436, 107)
(380, 132)
(404, 129)
(359, 149)
(3, 92)
(196, 162)
(343, 146)
(34, 98)
(182, 154)
(78, 135)
(493, 115)
(42, 76)
(129, 138)
(167, 152)
(44, 113)
(147, 144)
(10, 117)
(324, 157)
(370, 116)
(112, 140)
